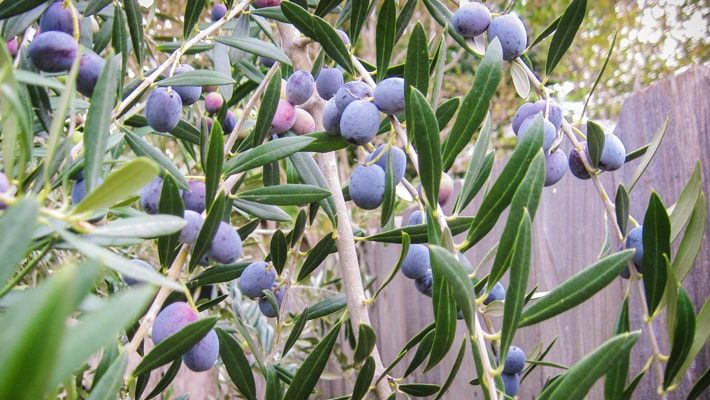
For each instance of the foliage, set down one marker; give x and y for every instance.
(113, 160)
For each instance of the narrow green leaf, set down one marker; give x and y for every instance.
(32, 333)
(634, 154)
(648, 154)
(325, 143)
(262, 211)
(595, 142)
(56, 129)
(316, 256)
(364, 378)
(418, 338)
(580, 378)
(266, 153)
(146, 227)
(454, 370)
(219, 274)
(418, 233)
(175, 345)
(424, 131)
(702, 334)
(419, 389)
(32, 78)
(256, 47)
(385, 36)
(393, 272)
(366, 340)
(527, 197)
(683, 208)
(273, 384)
(167, 378)
(119, 185)
(446, 111)
(312, 367)
(576, 289)
(515, 295)
(117, 262)
(565, 32)
(98, 328)
(475, 166)
(546, 33)
(682, 338)
(299, 227)
(98, 122)
(135, 27)
(267, 110)
(208, 230)
(17, 225)
(214, 160)
(390, 195)
(277, 250)
(421, 354)
(321, 31)
(601, 73)
(444, 319)
(656, 243)
(170, 204)
(11, 8)
(326, 6)
(476, 103)
(285, 195)
(501, 193)
(404, 17)
(700, 386)
(296, 331)
(145, 149)
(193, 9)
(359, 10)
(629, 390)
(200, 77)
(110, 383)
(327, 306)
(237, 364)
(455, 274)
(622, 207)
(309, 172)
(416, 66)
(692, 240)
(274, 13)
(615, 378)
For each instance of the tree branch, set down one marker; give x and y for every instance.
(294, 47)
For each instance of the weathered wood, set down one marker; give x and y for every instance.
(568, 234)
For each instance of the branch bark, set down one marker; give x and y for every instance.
(295, 47)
